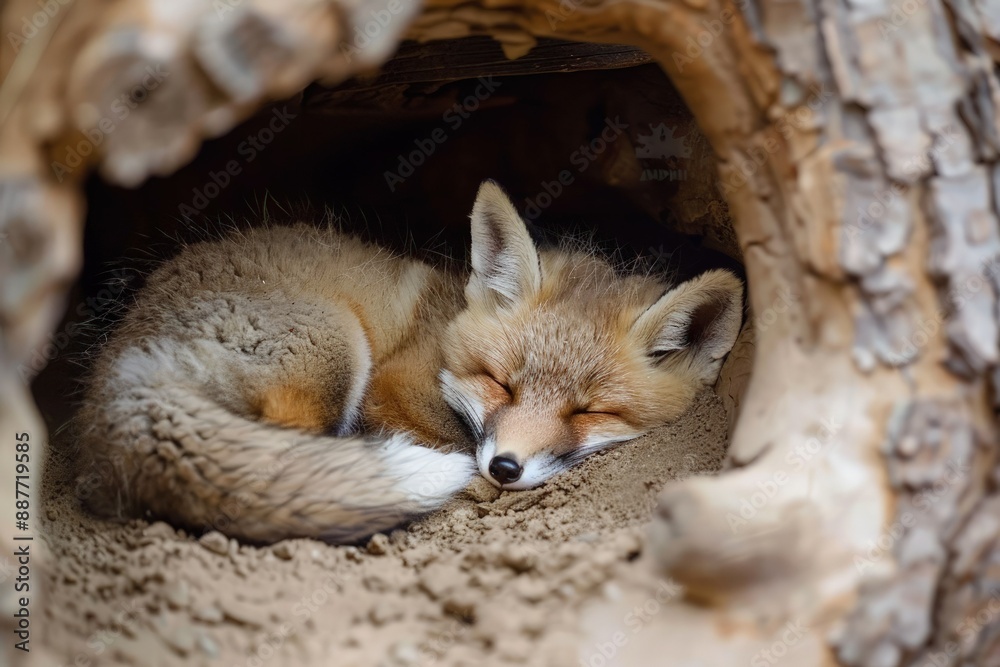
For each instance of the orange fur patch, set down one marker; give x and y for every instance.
(401, 398)
(293, 407)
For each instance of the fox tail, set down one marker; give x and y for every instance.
(157, 443)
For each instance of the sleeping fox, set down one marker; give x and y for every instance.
(297, 382)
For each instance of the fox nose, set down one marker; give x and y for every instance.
(505, 469)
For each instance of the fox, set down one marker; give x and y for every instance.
(295, 381)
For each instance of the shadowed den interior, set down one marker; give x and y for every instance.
(589, 140)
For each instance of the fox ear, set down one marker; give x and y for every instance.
(702, 316)
(504, 259)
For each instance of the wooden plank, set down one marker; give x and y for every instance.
(472, 57)
(469, 58)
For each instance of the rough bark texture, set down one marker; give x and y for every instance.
(858, 147)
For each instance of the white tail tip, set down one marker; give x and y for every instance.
(428, 477)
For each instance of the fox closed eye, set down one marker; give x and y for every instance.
(659, 355)
(502, 385)
(596, 412)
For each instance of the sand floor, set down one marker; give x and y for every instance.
(492, 579)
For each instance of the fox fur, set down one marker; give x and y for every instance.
(297, 382)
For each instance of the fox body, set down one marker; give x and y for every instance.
(294, 381)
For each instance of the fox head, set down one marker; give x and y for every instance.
(557, 355)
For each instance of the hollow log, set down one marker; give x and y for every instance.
(857, 143)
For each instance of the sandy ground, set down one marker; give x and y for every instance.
(492, 579)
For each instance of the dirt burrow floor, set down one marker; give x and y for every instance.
(492, 579)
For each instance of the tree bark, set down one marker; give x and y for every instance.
(857, 146)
